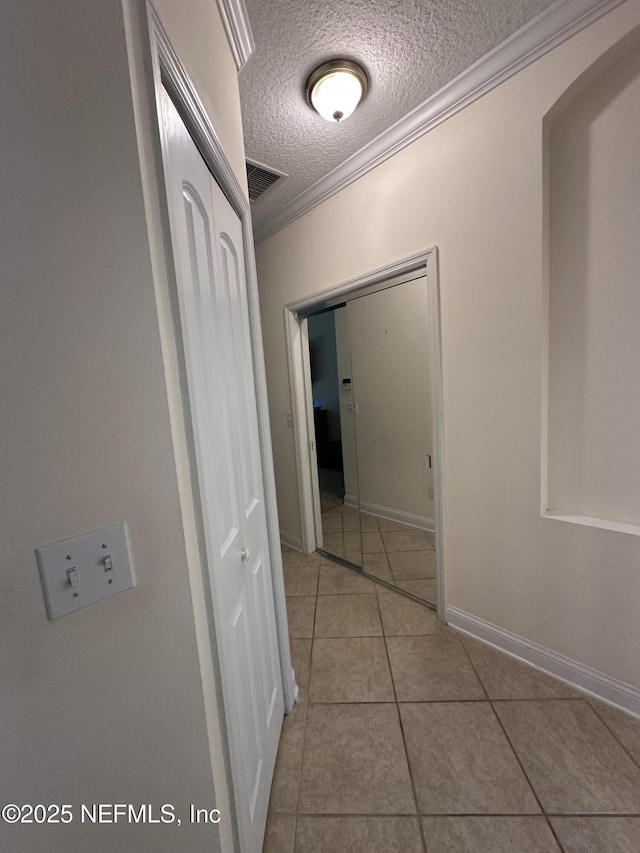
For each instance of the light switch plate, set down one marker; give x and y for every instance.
(82, 570)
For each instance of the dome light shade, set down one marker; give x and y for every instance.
(336, 88)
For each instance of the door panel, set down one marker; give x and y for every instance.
(209, 258)
(229, 241)
(270, 665)
(390, 360)
(245, 393)
(241, 645)
(391, 385)
(204, 352)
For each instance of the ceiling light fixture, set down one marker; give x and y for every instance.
(336, 88)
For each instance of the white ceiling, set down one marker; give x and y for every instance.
(409, 49)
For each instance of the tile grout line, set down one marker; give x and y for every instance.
(513, 750)
(611, 732)
(306, 711)
(517, 757)
(404, 740)
(553, 832)
(475, 670)
(544, 812)
(452, 815)
(395, 582)
(417, 701)
(386, 553)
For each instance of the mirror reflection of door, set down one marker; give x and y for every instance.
(390, 364)
(330, 363)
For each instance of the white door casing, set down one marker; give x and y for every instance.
(212, 298)
(313, 440)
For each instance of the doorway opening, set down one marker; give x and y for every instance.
(325, 389)
(366, 387)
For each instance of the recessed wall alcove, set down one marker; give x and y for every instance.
(591, 418)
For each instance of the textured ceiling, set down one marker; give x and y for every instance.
(409, 48)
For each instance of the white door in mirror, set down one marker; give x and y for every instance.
(85, 569)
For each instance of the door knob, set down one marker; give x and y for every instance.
(244, 554)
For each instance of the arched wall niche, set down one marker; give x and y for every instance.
(591, 375)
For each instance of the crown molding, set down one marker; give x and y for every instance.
(236, 24)
(546, 31)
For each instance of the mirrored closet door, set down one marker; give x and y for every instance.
(374, 434)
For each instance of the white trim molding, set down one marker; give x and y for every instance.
(584, 678)
(412, 263)
(238, 29)
(590, 521)
(296, 342)
(292, 541)
(546, 31)
(409, 518)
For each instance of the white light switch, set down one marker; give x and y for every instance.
(83, 570)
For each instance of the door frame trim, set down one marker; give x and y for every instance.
(296, 340)
(303, 430)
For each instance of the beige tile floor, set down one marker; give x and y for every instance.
(409, 738)
(389, 550)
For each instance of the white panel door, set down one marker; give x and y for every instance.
(209, 260)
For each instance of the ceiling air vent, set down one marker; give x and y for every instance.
(260, 178)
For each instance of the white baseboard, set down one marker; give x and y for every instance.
(291, 540)
(584, 678)
(419, 521)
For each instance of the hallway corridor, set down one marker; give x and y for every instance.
(409, 738)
